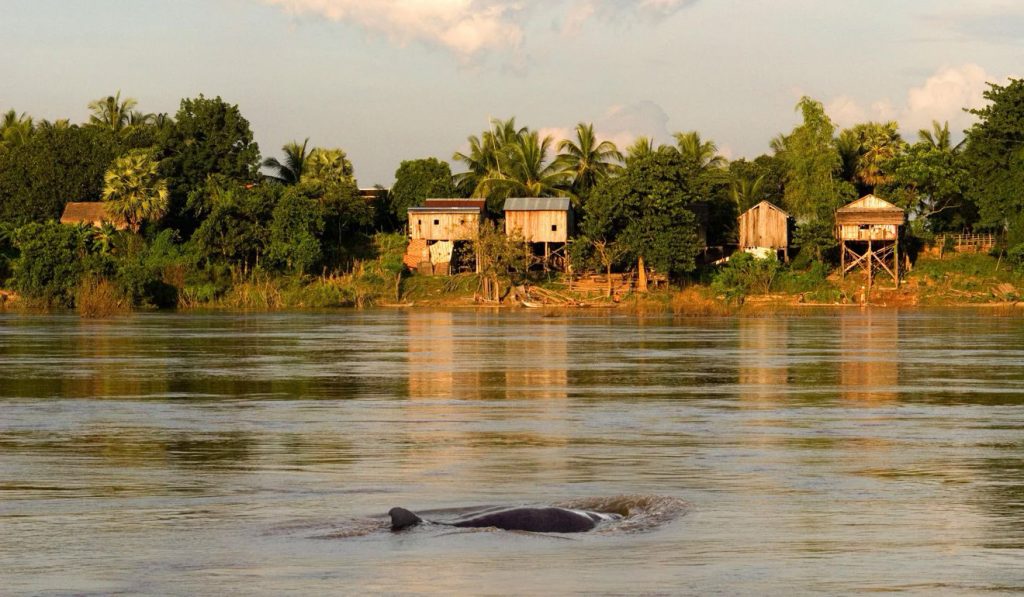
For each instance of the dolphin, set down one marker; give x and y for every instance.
(537, 520)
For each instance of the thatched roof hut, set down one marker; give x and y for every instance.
(93, 213)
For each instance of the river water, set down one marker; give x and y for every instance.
(830, 452)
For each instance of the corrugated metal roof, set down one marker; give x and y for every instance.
(480, 203)
(537, 204)
(446, 210)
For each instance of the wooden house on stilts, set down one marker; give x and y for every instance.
(868, 231)
(544, 222)
(765, 228)
(437, 229)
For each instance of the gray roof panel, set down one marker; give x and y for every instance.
(537, 204)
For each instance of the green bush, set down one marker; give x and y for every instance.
(1015, 255)
(51, 262)
(745, 274)
(796, 281)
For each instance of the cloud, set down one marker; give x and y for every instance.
(468, 28)
(623, 124)
(941, 97)
(984, 20)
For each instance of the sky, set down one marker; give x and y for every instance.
(391, 80)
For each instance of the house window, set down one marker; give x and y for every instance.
(437, 222)
(554, 228)
(462, 222)
(865, 227)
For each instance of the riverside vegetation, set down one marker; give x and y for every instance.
(204, 221)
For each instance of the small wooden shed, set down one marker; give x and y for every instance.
(765, 226)
(446, 219)
(546, 223)
(93, 213)
(539, 219)
(868, 231)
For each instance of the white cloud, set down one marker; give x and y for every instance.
(941, 97)
(468, 27)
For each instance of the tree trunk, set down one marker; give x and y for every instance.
(641, 283)
(608, 271)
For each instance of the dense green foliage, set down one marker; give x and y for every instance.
(648, 211)
(205, 225)
(417, 180)
(745, 274)
(208, 137)
(53, 166)
(995, 159)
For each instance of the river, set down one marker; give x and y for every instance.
(836, 452)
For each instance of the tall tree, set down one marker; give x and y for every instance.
(524, 170)
(112, 112)
(703, 153)
(647, 212)
(487, 156)
(328, 166)
(133, 190)
(15, 129)
(640, 148)
(208, 137)
(587, 160)
(866, 149)
(54, 167)
(813, 165)
(417, 180)
(291, 170)
(938, 137)
(995, 156)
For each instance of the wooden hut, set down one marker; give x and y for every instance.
(436, 227)
(765, 226)
(545, 222)
(868, 231)
(92, 213)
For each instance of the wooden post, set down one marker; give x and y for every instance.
(896, 258)
(870, 256)
(842, 259)
(547, 255)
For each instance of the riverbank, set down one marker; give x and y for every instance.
(960, 280)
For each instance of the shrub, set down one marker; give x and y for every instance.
(795, 281)
(99, 297)
(50, 266)
(745, 274)
(1015, 255)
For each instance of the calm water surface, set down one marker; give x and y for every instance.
(843, 452)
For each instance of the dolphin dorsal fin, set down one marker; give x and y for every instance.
(402, 518)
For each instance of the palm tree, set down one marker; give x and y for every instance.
(865, 150)
(523, 170)
(111, 112)
(939, 137)
(486, 155)
(703, 153)
(643, 146)
(587, 161)
(745, 192)
(15, 129)
(289, 172)
(137, 118)
(61, 124)
(328, 165)
(133, 190)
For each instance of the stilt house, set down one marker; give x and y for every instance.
(765, 227)
(437, 228)
(868, 231)
(545, 222)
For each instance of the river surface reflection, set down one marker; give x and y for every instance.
(836, 451)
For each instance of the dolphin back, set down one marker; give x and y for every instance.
(403, 519)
